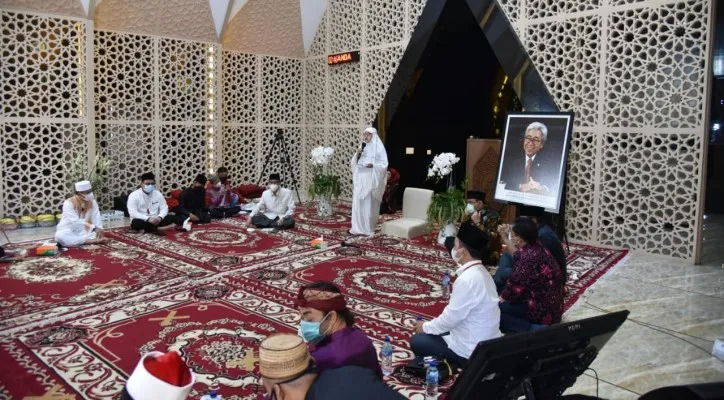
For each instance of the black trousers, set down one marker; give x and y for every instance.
(141, 225)
(262, 221)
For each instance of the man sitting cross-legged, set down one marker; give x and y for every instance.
(192, 204)
(472, 315)
(148, 209)
(276, 207)
(81, 221)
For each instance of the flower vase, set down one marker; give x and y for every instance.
(324, 206)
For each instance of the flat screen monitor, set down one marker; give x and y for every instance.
(537, 365)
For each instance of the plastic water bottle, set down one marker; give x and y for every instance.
(446, 285)
(213, 393)
(386, 355)
(433, 376)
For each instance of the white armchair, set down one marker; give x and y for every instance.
(414, 215)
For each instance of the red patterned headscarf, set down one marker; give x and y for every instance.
(321, 300)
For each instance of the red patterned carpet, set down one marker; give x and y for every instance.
(77, 324)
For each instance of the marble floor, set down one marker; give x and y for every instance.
(677, 311)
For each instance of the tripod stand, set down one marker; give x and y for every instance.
(279, 138)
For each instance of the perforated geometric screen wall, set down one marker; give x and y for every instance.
(633, 72)
(340, 101)
(43, 114)
(261, 94)
(151, 108)
(636, 80)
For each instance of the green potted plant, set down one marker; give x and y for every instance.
(324, 186)
(446, 208)
(96, 175)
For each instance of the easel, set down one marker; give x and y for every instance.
(279, 138)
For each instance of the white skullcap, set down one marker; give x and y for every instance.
(371, 130)
(82, 186)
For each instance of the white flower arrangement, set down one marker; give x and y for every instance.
(321, 155)
(442, 165)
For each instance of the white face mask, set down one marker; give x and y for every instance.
(89, 196)
(273, 187)
(469, 208)
(456, 256)
(149, 188)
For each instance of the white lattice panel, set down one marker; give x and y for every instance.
(240, 88)
(277, 164)
(129, 148)
(385, 22)
(571, 73)
(41, 72)
(315, 90)
(182, 76)
(345, 31)
(380, 67)
(655, 66)
(580, 189)
(281, 97)
(319, 44)
(183, 155)
(241, 153)
(549, 8)
(344, 93)
(649, 192)
(345, 142)
(415, 8)
(123, 76)
(35, 159)
(511, 9)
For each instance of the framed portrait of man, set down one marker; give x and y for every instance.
(533, 158)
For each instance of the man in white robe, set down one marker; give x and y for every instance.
(81, 221)
(369, 176)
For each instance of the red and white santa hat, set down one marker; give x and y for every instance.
(160, 376)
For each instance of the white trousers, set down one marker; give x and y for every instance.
(68, 238)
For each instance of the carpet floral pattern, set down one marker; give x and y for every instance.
(75, 325)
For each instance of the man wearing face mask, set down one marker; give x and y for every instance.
(289, 373)
(148, 209)
(472, 315)
(328, 328)
(275, 208)
(81, 221)
(479, 216)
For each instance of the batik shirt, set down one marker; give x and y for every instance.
(537, 281)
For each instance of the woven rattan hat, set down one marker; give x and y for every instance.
(283, 356)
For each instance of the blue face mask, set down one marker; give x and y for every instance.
(149, 188)
(309, 331)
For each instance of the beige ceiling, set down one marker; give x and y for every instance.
(72, 8)
(272, 27)
(185, 19)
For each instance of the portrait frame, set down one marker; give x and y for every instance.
(532, 170)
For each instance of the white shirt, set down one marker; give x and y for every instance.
(473, 313)
(531, 159)
(144, 206)
(276, 205)
(71, 221)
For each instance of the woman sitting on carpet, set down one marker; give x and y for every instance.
(328, 328)
(534, 292)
